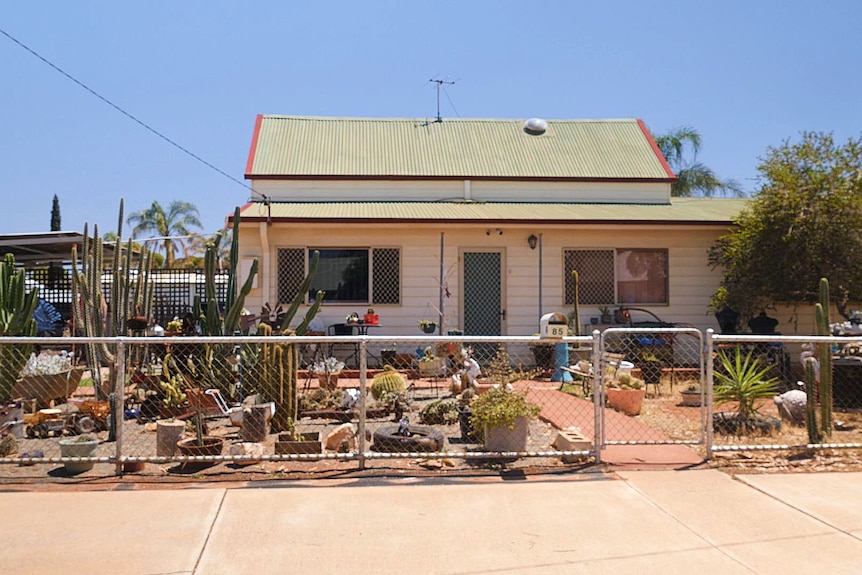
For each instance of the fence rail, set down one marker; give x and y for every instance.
(393, 398)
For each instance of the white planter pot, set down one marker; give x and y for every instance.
(501, 438)
(76, 448)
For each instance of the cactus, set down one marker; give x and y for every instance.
(128, 298)
(821, 310)
(16, 319)
(386, 382)
(279, 364)
(811, 403)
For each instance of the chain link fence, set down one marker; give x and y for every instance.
(194, 405)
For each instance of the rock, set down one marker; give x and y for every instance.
(791, 406)
(248, 448)
(346, 432)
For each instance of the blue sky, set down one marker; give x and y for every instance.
(746, 74)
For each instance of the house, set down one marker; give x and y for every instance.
(478, 222)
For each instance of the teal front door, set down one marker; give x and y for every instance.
(483, 293)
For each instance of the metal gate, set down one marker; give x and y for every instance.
(661, 363)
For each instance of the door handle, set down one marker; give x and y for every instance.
(503, 314)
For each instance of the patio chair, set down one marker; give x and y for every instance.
(344, 329)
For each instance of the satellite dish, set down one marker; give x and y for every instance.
(535, 126)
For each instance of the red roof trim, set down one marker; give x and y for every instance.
(254, 138)
(242, 208)
(656, 151)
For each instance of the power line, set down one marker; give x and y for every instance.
(130, 116)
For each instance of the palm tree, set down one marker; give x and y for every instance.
(166, 225)
(680, 147)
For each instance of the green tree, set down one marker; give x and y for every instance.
(55, 215)
(168, 226)
(680, 147)
(804, 223)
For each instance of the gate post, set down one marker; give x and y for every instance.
(598, 391)
(363, 375)
(708, 360)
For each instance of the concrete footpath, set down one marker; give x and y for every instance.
(663, 522)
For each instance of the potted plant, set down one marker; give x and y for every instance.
(429, 364)
(292, 441)
(174, 400)
(327, 371)
(626, 394)
(605, 313)
(690, 395)
(174, 327)
(427, 326)
(371, 318)
(503, 415)
(79, 446)
(200, 444)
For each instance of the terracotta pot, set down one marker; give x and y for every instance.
(328, 380)
(628, 401)
(690, 398)
(210, 446)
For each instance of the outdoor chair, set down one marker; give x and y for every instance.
(352, 348)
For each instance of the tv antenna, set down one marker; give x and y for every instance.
(439, 83)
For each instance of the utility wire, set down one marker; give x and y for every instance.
(130, 116)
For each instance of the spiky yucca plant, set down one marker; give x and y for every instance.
(743, 380)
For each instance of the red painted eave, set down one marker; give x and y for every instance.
(253, 150)
(657, 151)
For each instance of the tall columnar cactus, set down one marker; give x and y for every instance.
(577, 310)
(814, 435)
(128, 296)
(16, 319)
(279, 365)
(211, 321)
(821, 310)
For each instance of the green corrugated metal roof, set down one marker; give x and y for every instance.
(680, 210)
(301, 146)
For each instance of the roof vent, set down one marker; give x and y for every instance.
(535, 126)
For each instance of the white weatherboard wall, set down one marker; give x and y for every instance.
(479, 190)
(691, 281)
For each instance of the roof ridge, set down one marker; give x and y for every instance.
(433, 120)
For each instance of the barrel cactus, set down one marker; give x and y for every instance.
(387, 382)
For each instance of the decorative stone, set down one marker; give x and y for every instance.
(346, 432)
(247, 448)
(792, 405)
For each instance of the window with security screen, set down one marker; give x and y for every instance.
(624, 276)
(347, 275)
(291, 272)
(595, 276)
